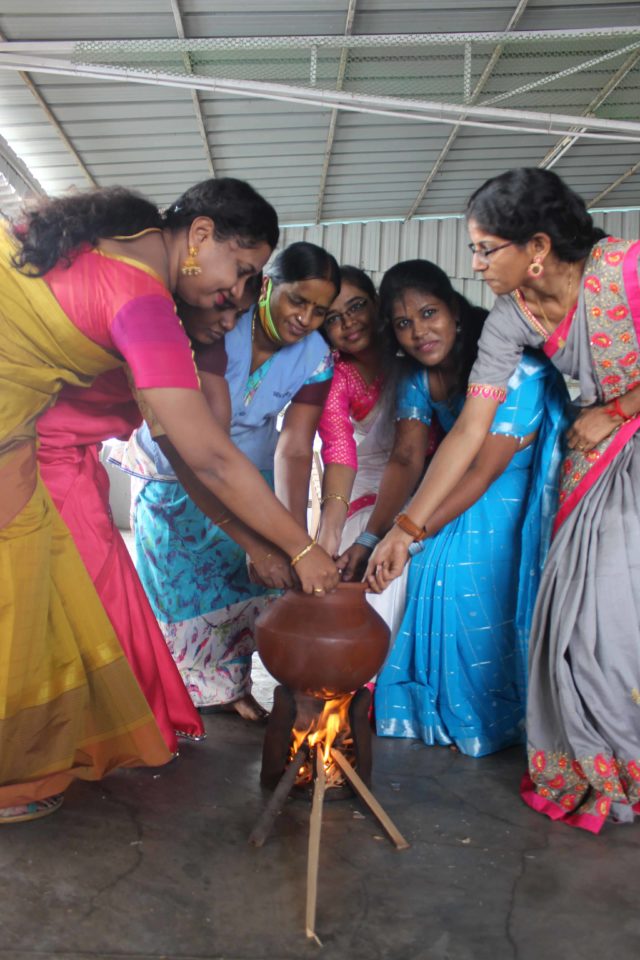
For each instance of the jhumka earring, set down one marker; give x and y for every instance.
(535, 269)
(190, 267)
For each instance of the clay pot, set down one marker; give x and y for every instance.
(325, 646)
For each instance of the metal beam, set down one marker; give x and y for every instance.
(486, 73)
(17, 172)
(561, 147)
(625, 176)
(376, 40)
(53, 120)
(425, 111)
(195, 96)
(342, 69)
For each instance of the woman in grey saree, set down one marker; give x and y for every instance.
(564, 288)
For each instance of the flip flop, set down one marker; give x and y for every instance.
(31, 811)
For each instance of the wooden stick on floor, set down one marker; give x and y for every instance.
(377, 810)
(313, 860)
(263, 827)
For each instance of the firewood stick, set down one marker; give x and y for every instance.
(263, 827)
(361, 788)
(313, 859)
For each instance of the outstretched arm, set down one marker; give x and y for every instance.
(294, 454)
(270, 564)
(337, 484)
(450, 463)
(401, 474)
(206, 449)
(494, 457)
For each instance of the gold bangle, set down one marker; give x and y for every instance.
(334, 496)
(220, 522)
(302, 553)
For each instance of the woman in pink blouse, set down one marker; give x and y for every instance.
(356, 429)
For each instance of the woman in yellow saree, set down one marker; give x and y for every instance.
(86, 284)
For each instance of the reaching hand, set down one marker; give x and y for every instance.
(388, 559)
(352, 562)
(271, 570)
(317, 572)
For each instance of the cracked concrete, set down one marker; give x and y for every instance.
(155, 864)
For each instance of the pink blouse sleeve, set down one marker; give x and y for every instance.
(335, 427)
(148, 333)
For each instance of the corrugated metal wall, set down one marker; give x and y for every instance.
(375, 246)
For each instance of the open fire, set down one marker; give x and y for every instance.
(321, 748)
(301, 721)
(330, 728)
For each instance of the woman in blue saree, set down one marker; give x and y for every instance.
(197, 578)
(456, 673)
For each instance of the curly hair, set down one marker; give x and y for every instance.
(54, 230)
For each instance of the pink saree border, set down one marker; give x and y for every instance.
(628, 429)
(625, 432)
(632, 283)
(557, 339)
(586, 821)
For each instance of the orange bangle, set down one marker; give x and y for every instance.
(406, 523)
(615, 410)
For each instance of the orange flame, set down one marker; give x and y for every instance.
(330, 724)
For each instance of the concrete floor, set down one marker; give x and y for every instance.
(155, 864)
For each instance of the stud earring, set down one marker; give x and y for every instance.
(535, 269)
(191, 267)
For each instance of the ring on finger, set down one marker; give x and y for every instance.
(318, 590)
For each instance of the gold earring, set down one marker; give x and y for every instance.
(190, 267)
(535, 269)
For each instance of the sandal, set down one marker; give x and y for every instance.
(31, 811)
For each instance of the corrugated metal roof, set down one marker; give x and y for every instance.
(139, 94)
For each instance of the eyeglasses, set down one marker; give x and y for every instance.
(482, 254)
(352, 311)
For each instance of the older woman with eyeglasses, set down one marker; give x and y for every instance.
(566, 288)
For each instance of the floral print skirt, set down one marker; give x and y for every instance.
(197, 582)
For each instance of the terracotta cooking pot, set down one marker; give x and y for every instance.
(323, 646)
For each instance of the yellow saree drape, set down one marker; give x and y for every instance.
(70, 706)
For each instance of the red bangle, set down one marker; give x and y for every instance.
(615, 410)
(406, 523)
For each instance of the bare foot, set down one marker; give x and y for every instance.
(247, 707)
